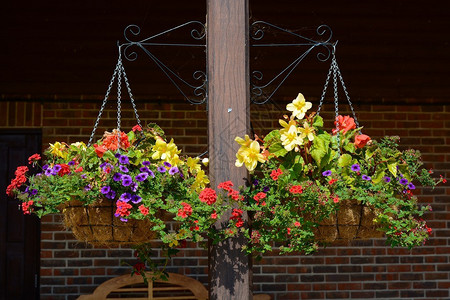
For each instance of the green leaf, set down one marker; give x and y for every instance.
(272, 136)
(345, 160)
(321, 144)
(350, 147)
(131, 136)
(392, 166)
(378, 176)
(403, 168)
(371, 151)
(318, 154)
(318, 121)
(278, 150)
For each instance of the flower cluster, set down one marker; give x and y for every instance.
(140, 173)
(301, 176)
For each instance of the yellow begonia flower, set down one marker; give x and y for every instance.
(307, 131)
(243, 142)
(299, 106)
(201, 180)
(57, 149)
(290, 139)
(165, 151)
(249, 155)
(193, 164)
(174, 160)
(286, 126)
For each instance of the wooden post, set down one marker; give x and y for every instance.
(228, 117)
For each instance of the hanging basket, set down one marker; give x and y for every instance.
(352, 221)
(96, 224)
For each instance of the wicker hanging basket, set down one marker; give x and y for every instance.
(96, 224)
(352, 221)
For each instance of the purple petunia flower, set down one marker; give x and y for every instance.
(173, 170)
(141, 177)
(123, 220)
(411, 186)
(83, 176)
(146, 163)
(144, 169)
(124, 169)
(387, 179)
(161, 169)
(33, 192)
(87, 187)
(126, 180)
(356, 168)
(44, 167)
(403, 181)
(117, 177)
(266, 189)
(123, 159)
(365, 177)
(134, 186)
(105, 190)
(111, 195)
(181, 175)
(136, 199)
(57, 168)
(255, 182)
(49, 172)
(327, 173)
(167, 164)
(103, 165)
(125, 197)
(151, 174)
(71, 163)
(117, 155)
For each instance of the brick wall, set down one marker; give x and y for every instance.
(361, 269)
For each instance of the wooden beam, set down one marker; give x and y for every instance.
(228, 117)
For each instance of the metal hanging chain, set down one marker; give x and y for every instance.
(347, 95)
(127, 84)
(108, 91)
(119, 71)
(325, 87)
(336, 103)
(334, 68)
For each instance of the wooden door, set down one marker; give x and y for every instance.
(19, 234)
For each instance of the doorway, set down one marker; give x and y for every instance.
(19, 234)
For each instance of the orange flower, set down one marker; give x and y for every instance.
(361, 140)
(346, 123)
(100, 150)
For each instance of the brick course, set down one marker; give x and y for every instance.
(359, 269)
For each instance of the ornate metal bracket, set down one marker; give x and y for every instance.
(198, 34)
(257, 33)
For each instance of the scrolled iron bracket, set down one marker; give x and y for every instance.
(198, 35)
(258, 32)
